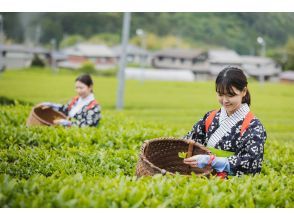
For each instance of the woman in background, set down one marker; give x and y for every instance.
(82, 110)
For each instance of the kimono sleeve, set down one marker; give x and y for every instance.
(249, 158)
(64, 109)
(90, 118)
(198, 131)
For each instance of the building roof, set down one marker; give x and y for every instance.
(58, 55)
(256, 66)
(20, 48)
(89, 50)
(131, 49)
(224, 56)
(256, 60)
(179, 53)
(74, 65)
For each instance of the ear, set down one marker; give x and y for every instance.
(244, 92)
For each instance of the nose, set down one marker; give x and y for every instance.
(225, 100)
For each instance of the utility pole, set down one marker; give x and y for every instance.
(53, 50)
(122, 61)
(142, 35)
(261, 41)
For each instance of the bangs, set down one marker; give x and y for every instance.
(225, 88)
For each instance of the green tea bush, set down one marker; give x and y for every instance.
(95, 167)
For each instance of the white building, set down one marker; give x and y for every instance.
(176, 58)
(261, 67)
(100, 55)
(287, 76)
(17, 56)
(135, 54)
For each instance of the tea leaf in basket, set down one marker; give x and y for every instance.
(182, 155)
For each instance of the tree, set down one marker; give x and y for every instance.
(290, 54)
(71, 40)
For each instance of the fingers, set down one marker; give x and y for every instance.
(190, 159)
(56, 121)
(192, 163)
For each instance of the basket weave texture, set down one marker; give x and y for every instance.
(43, 116)
(161, 156)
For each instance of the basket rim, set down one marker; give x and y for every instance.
(40, 119)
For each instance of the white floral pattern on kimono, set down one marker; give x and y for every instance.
(248, 148)
(84, 117)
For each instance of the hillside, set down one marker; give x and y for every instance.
(232, 30)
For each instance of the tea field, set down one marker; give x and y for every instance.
(95, 167)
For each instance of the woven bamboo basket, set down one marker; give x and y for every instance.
(161, 156)
(43, 116)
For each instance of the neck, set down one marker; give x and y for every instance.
(229, 113)
(84, 97)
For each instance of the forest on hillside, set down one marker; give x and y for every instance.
(233, 30)
(237, 31)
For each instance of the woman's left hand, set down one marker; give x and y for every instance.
(62, 122)
(200, 160)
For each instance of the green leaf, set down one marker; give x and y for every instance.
(220, 153)
(182, 155)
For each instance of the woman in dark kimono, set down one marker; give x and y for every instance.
(82, 110)
(232, 128)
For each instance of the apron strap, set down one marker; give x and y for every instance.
(209, 119)
(245, 124)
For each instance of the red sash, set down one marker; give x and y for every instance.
(75, 99)
(245, 124)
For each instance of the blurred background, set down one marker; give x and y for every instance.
(161, 46)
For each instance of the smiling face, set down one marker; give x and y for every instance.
(82, 89)
(231, 100)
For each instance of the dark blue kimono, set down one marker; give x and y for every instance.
(248, 148)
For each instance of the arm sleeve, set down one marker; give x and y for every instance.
(63, 108)
(90, 118)
(249, 158)
(221, 164)
(198, 131)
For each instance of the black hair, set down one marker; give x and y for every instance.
(231, 77)
(85, 79)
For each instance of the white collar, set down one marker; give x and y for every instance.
(227, 124)
(86, 100)
(80, 104)
(243, 109)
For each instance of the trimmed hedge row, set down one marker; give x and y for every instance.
(95, 167)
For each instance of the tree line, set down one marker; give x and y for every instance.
(237, 31)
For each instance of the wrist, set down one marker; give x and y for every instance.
(211, 159)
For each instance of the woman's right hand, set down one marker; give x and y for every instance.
(63, 122)
(48, 104)
(45, 105)
(200, 160)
